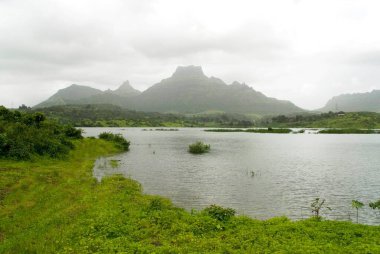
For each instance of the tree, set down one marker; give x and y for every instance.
(357, 204)
(316, 207)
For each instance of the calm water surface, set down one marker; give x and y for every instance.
(260, 175)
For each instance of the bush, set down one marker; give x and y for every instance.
(24, 135)
(219, 213)
(199, 147)
(117, 139)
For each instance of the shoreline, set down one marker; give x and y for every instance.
(58, 206)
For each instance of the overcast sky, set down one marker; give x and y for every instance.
(303, 51)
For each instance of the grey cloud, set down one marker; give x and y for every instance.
(48, 44)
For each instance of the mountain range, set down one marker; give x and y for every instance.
(188, 90)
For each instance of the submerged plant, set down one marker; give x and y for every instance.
(199, 147)
(357, 204)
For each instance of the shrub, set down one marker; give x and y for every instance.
(24, 135)
(375, 205)
(199, 147)
(219, 213)
(117, 139)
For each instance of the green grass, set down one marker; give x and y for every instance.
(114, 163)
(347, 131)
(56, 206)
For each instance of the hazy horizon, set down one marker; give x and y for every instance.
(297, 50)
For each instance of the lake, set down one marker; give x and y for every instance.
(259, 175)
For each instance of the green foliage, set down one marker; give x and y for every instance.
(103, 115)
(118, 139)
(347, 131)
(270, 130)
(199, 147)
(375, 205)
(316, 207)
(24, 135)
(357, 205)
(219, 213)
(55, 206)
(336, 120)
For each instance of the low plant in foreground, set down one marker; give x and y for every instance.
(357, 204)
(219, 213)
(199, 147)
(117, 139)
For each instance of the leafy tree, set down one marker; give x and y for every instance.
(357, 204)
(316, 207)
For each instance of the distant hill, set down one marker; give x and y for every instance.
(354, 102)
(188, 90)
(76, 94)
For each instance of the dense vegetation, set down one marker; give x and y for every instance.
(117, 139)
(353, 120)
(56, 206)
(199, 147)
(258, 130)
(105, 115)
(26, 135)
(347, 131)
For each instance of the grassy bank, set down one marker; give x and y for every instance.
(56, 206)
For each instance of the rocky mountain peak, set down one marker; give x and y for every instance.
(188, 72)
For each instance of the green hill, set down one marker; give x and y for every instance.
(354, 102)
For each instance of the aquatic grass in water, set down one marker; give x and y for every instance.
(199, 147)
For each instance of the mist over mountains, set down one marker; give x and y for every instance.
(188, 90)
(354, 102)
